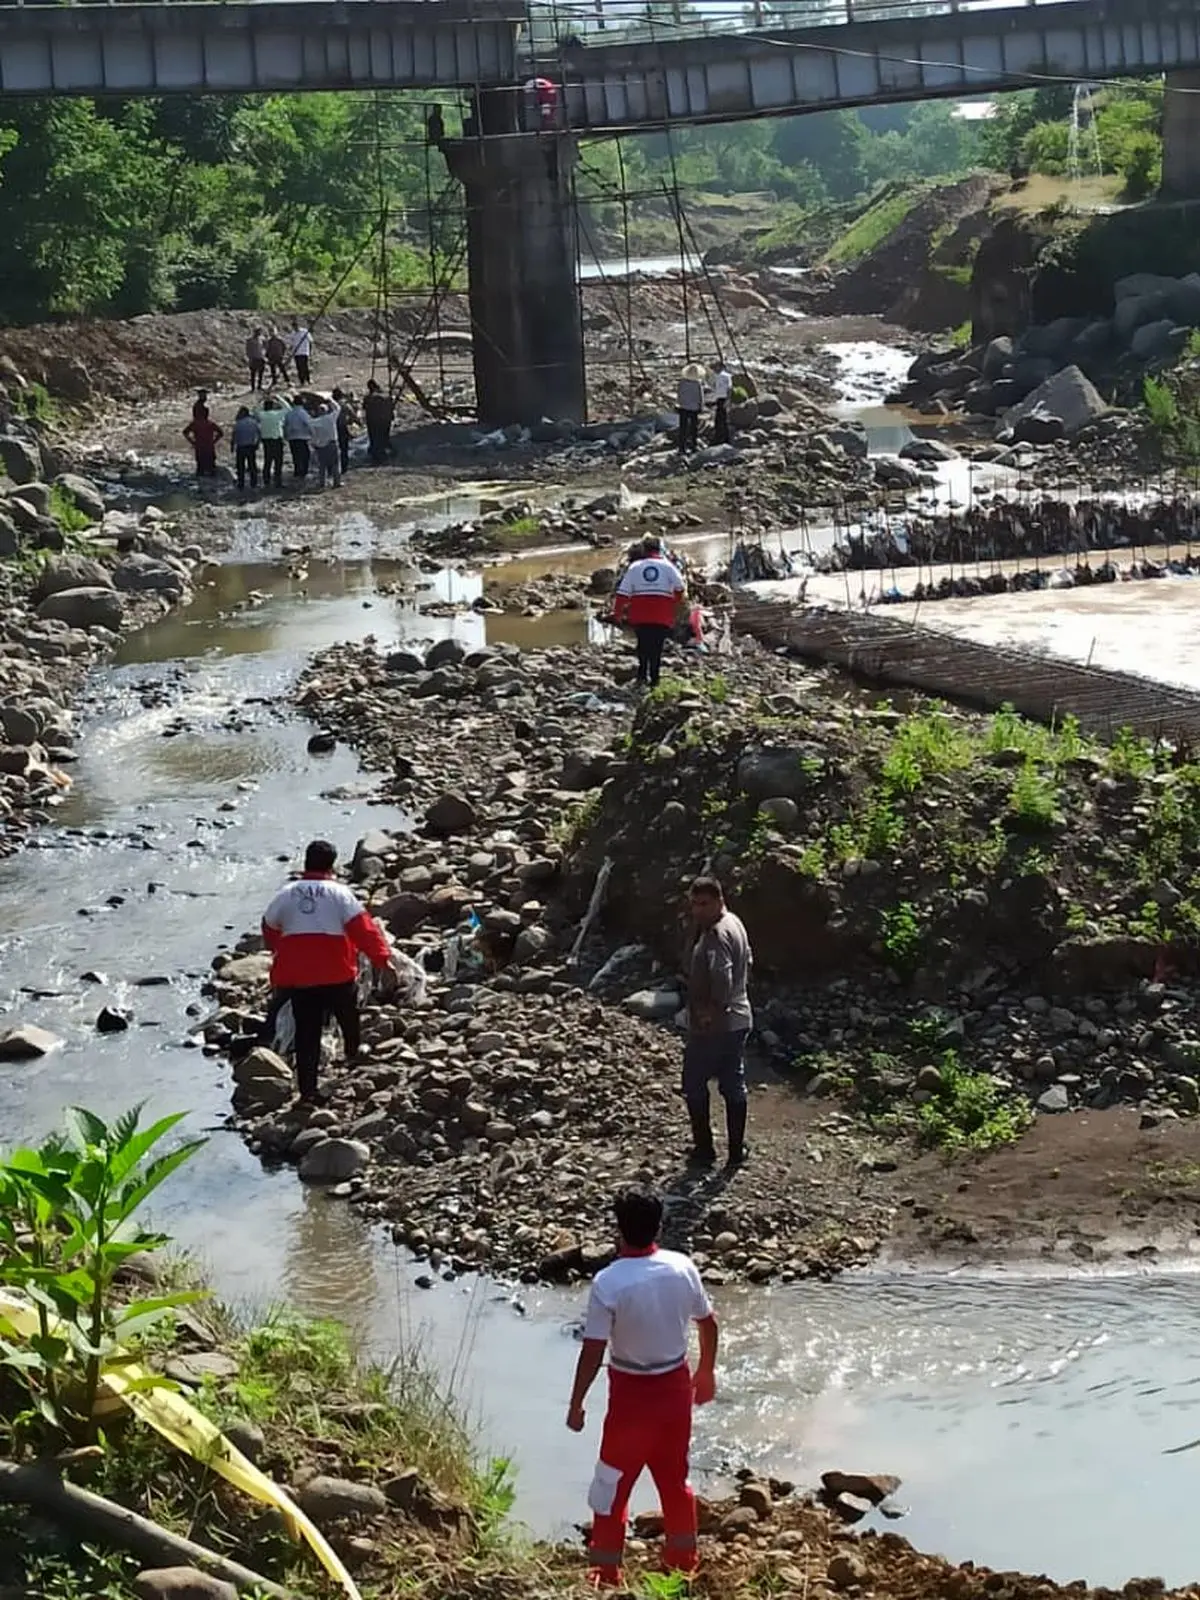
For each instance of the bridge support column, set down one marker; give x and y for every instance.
(521, 259)
(1181, 136)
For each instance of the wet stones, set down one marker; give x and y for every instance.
(27, 1042)
(334, 1160)
(331, 1500)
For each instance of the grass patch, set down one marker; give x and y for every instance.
(521, 530)
(869, 230)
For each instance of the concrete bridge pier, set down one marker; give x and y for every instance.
(521, 257)
(1181, 136)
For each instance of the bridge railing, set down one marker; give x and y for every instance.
(584, 24)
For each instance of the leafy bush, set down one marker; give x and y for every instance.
(970, 1110)
(67, 1223)
(902, 935)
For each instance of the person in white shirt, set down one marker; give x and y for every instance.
(722, 389)
(297, 430)
(300, 348)
(641, 1308)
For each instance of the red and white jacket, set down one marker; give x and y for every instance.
(649, 592)
(315, 929)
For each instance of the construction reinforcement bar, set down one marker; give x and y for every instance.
(903, 655)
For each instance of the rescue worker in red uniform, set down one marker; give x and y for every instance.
(641, 1308)
(648, 599)
(315, 928)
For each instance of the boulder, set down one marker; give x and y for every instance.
(328, 1500)
(851, 439)
(181, 1583)
(765, 773)
(1137, 285)
(18, 726)
(1155, 340)
(1093, 340)
(450, 813)
(928, 450)
(782, 812)
(1037, 428)
(445, 653)
(10, 536)
(980, 398)
(26, 1042)
(1133, 312)
(996, 356)
(249, 970)
(1067, 395)
(21, 460)
(403, 914)
(111, 1020)
(68, 378)
(653, 1005)
(261, 1064)
(36, 496)
(139, 573)
(70, 572)
(82, 494)
(88, 607)
(872, 1486)
(375, 845)
(403, 661)
(334, 1160)
(892, 473)
(584, 769)
(1052, 338)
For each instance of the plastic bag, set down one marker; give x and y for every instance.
(284, 1040)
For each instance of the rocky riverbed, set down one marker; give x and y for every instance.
(942, 960)
(76, 573)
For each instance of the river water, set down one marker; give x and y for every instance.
(1031, 1418)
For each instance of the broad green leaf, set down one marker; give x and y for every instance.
(135, 1146)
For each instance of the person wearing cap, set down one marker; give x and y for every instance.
(690, 400)
(641, 1309)
(648, 599)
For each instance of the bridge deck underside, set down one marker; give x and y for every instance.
(860, 63)
(265, 47)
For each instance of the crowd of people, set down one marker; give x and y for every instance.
(315, 428)
(641, 1308)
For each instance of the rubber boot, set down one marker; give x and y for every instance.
(703, 1152)
(735, 1125)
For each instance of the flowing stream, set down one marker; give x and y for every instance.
(1029, 1417)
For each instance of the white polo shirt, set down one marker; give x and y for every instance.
(722, 386)
(643, 1306)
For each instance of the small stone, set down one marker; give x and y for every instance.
(1055, 1099)
(758, 1497)
(111, 1020)
(450, 813)
(328, 1500)
(741, 1520)
(204, 1366)
(247, 1437)
(181, 1583)
(846, 1570)
(321, 744)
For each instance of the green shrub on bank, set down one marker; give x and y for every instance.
(970, 1110)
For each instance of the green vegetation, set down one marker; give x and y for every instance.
(872, 227)
(902, 935)
(66, 513)
(970, 1110)
(68, 1223)
(521, 530)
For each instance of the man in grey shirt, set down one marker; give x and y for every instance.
(717, 967)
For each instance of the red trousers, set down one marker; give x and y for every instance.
(649, 1424)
